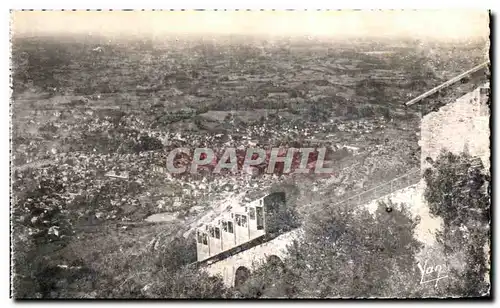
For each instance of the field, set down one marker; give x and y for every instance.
(84, 106)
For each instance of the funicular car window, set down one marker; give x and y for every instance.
(212, 232)
(237, 217)
(260, 218)
(200, 239)
(217, 233)
(230, 227)
(252, 213)
(243, 220)
(224, 226)
(205, 239)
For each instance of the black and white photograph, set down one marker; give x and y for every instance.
(250, 154)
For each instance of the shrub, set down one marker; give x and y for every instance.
(385, 112)
(147, 143)
(366, 111)
(187, 283)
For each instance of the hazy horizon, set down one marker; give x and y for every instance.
(418, 24)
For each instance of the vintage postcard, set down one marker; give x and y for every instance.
(250, 154)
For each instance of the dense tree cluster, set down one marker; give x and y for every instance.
(458, 191)
(345, 253)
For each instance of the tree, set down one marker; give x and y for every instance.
(360, 255)
(193, 283)
(284, 216)
(179, 252)
(458, 191)
(147, 143)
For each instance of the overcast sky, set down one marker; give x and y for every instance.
(453, 24)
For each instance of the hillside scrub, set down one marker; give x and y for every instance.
(345, 253)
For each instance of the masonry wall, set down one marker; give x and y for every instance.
(462, 125)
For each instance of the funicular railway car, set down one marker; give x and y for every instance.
(240, 228)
